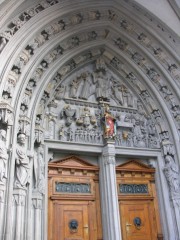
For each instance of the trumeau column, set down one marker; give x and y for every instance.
(109, 197)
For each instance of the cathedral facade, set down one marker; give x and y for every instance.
(89, 122)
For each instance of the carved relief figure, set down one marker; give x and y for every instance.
(101, 86)
(3, 42)
(128, 97)
(3, 157)
(22, 163)
(74, 87)
(138, 131)
(61, 133)
(87, 86)
(60, 91)
(118, 93)
(172, 175)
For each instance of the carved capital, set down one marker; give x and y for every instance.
(109, 160)
(19, 197)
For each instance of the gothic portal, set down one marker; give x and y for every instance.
(89, 122)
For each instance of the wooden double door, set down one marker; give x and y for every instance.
(74, 204)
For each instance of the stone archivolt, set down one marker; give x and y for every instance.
(71, 101)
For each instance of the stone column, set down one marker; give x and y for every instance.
(37, 209)
(109, 196)
(2, 207)
(19, 213)
(176, 205)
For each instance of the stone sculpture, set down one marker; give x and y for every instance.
(21, 163)
(172, 175)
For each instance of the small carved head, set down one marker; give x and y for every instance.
(21, 138)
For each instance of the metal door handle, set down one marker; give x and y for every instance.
(128, 224)
(86, 226)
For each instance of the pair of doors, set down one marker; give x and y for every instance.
(75, 220)
(78, 216)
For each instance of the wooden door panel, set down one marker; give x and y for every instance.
(63, 214)
(73, 191)
(129, 211)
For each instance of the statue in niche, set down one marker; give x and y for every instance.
(172, 175)
(129, 139)
(74, 85)
(51, 128)
(70, 134)
(176, 113)
(3, 157)
(38, 120)
(128, 97)
(117, 91)
(151, 126)
(167, 146)
(21, 163)
(136, 82)
(86, 90)
(31, 85)
(138, 130)
(121, 44)
(61, 133)
(60, 91)
(109, 124)
(41, 106)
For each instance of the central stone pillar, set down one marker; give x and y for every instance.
(109, 196)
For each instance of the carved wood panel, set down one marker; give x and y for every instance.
(138, 202)
(140, 212)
